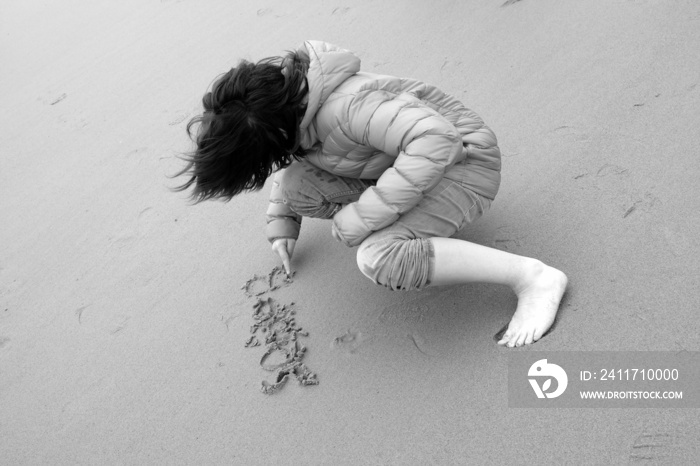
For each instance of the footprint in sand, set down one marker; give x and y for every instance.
(653, 448)
(612, 169)
(421, 344)
(349, 341)
(97, 319)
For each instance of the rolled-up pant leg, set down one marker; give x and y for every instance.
(401, 255)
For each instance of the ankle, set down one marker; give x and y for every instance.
(529, 273)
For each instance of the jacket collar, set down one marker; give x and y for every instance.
(329, 66)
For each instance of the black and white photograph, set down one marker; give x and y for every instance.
(350, 233)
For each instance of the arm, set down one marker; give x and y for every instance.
(283, 224)
(425, 144)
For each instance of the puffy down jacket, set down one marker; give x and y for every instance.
(401, 132)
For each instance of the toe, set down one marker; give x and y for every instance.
(520, 340)
(530, 338)
(505, 338)
(537, 334)
(499, 336)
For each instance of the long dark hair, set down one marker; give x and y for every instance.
(249, 128)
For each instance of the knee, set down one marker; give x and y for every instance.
(396, 263)
(302, 194)
(290, 179)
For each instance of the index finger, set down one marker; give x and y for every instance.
(282, 251)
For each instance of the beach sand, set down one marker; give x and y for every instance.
(122, 318)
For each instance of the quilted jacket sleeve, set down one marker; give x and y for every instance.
(282, 222)
(425, 144)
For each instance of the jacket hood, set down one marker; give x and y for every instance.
(329, 66)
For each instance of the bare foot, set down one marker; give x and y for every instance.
(538, 304)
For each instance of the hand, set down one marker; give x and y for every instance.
(284, 247)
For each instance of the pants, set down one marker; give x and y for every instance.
(401, 255)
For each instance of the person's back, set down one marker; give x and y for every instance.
(480, 146)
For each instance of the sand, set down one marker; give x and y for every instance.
(122, 319)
